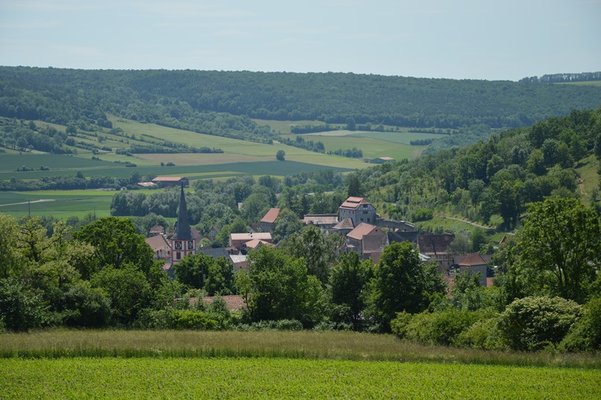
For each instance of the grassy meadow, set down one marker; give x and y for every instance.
(218, 378)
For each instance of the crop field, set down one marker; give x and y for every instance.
(373, 144)
(234, 149)
(273, 167)
(210, 378)
(58, 203)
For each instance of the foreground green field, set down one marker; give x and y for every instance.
(220, 378)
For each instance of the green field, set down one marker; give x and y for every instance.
(373, 144)
(57, 203)
(234, 149)
(218, 378)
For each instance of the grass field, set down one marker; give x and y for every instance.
(58, 203)
(234, 149)
(589, 177)
(218, 378)
(304, 344)
(373, 144)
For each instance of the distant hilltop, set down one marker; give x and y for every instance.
(565, 77)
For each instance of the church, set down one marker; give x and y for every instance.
(182, 242)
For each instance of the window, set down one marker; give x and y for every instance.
(178, 255)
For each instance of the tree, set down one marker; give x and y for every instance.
(558, 249)
(278, 287)
(287, 224)
(354, 185)
(128, 290)
(116, 243)
(401, 283)
(280, 155)
(192, 270)
(349, 280)
(318, 250)
(9, 256)
(21, 308)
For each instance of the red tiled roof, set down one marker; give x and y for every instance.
(167, 179)
(346, 223)
(157, 242)
(353, 202)
(471, 260)
(271, 216)
(253, 244)
(361, 230)
(232, 302)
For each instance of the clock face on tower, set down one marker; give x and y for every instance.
(190, 245)
(178, 245)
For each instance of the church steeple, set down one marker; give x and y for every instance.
(182, 242)
(183, 231)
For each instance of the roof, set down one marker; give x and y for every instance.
(232, 302)
(386, 158)
(320, 219)
(146, 184)
(373, 243)
(271, 216)
(157, 242)
(214, 251)
(238, 258)
(167, 179)
(250, 236)
(157, 229)
(346, 223)
(253, 244)
(472, 259)
(434, 243)
(361, 230)
(353, 202)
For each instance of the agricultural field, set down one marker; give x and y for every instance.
(373, 144)
(234, 149)
(58, 203)
(210, 378)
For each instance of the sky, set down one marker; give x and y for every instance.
(470, 39)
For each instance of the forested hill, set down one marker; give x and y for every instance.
(492, 181)
(223, 102)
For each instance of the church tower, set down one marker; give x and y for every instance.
(182, 242)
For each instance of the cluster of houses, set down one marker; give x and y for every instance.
(363, 230)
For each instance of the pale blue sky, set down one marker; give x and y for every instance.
(503, 39)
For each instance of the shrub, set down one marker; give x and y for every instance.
(400, 323)
(155, 319)
(533, 323)
(586, 332)
(21, 309)
(441, 327)
(483, 334)
(192, 319)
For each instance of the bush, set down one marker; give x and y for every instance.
(483, 334)
(192, 319)
(155, 319)
(532, 323)
(585, 334)
(400, 323)
(21, 309)
(441, 327)
(332, 326)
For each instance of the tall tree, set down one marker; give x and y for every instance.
(348, 280)
(558, 249)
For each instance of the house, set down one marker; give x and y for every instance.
(170, 181)
(323, 221)
(344, 226)
(474, 263)
(358, 210)
(267, 223)
(240, 261)
(238, 240)
(368, 240)
(160, 246)
(436, 246)
(156, 230)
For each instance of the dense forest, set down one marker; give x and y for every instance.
(498, 176)
(221, 103)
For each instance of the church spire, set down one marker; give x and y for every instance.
(182, 231)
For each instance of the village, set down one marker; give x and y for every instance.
(357, 222)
